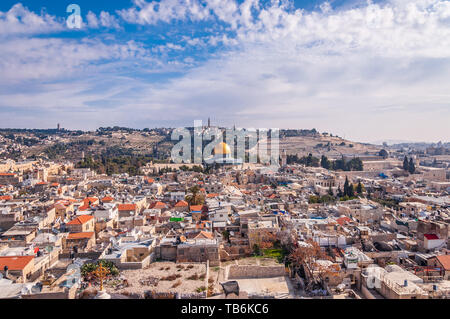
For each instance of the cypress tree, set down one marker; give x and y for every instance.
(411, 166)
(330, 191)
(325, 163)
(359, 189)
(346, 187)
(351, 191)
(405, 164)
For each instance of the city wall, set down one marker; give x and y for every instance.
(247, 271)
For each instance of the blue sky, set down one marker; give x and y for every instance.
(365, 70)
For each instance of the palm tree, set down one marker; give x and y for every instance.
(195, 198)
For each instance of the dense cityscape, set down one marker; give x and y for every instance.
(224, 158)
(81, 217)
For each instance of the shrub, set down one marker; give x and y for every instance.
(201, 289)
(89, 268)
(169, 278)
(193, 277)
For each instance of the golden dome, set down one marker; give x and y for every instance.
(222, 149)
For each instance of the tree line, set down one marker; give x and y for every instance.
(105, 164)
(349, 192)
(355, 164)
(408, 165)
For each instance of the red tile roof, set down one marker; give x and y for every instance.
(158, 205)
(196, 208)
(107, 199)
(7, 174)
(445, 261)
(80, 220)
(85, 207)
(126, 206)
(343, 220)
(15, 262)
(212, 195)
(6, 197)
(204, 234)
(90, 200)
(83, 235)
(182, 203)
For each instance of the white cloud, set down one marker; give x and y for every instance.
(367, 72)
(165, 11)
(105, 20)
(342, 70)
(53, 58)
(19, 20)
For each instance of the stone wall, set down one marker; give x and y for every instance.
(94, 255)
(135, 265)
(250, 271)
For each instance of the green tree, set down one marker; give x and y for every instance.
(195, 197)
(89, 268)
(383, 153)
(346, 186)
(256, 250)
(411, 166)
(309, 160)
(325, 162)
(330, 191)
(226, 235)
(405, 164)
(359, 188)
(351, 191)
(355, 164)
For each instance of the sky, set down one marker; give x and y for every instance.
(364, 70)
